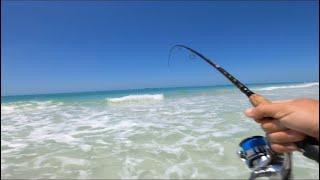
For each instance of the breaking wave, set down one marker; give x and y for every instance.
(137, 98)
(303, 85)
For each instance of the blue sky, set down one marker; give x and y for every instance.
(66, 46)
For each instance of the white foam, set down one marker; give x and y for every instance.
(303, 85)
(135, 98)
(8, 128)
(129, 170)
(63, 138)
(7, 108)
(195, 173)
(175, 169)
(124, 125)
(71, 161)
(85, 147)
(83, 174)
(17, 146)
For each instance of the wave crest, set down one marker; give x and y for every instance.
(135, 98)
(304, 85)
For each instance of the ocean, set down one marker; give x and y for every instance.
(137, 134)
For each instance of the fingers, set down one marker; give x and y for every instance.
(273, 118)
(283, 141)
(270, 125)
(275, 110)
(287, 136)
(284, 148)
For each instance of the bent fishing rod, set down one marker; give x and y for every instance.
(309, 146)
(256, 150)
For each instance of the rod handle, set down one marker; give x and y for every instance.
(309, 146)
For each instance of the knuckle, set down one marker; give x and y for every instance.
(277, 148)
(263, 126)
(271, 137)
(295, 135)
(261, 107)
(260, 110)
(267, 127)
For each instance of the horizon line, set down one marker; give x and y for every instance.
(110, 90)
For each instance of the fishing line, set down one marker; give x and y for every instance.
(309, 146)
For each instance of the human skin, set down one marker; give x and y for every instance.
(287, 122)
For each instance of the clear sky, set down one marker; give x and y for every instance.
(67, 46)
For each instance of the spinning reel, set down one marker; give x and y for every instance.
(263, 162)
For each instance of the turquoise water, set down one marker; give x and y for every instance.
(149, 133)
(100, 95)
(94, 96)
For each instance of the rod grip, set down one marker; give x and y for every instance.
(309, 146)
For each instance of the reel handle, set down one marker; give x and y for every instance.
(309, 146)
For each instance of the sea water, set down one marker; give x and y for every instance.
(150, 133)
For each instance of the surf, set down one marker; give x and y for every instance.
(302, 85)
(137, 98)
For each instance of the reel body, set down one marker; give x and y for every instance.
(262, 161)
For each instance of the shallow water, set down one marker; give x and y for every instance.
(178, 133)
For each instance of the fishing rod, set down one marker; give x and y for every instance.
(309, 146)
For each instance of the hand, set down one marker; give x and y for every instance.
(286, 122)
